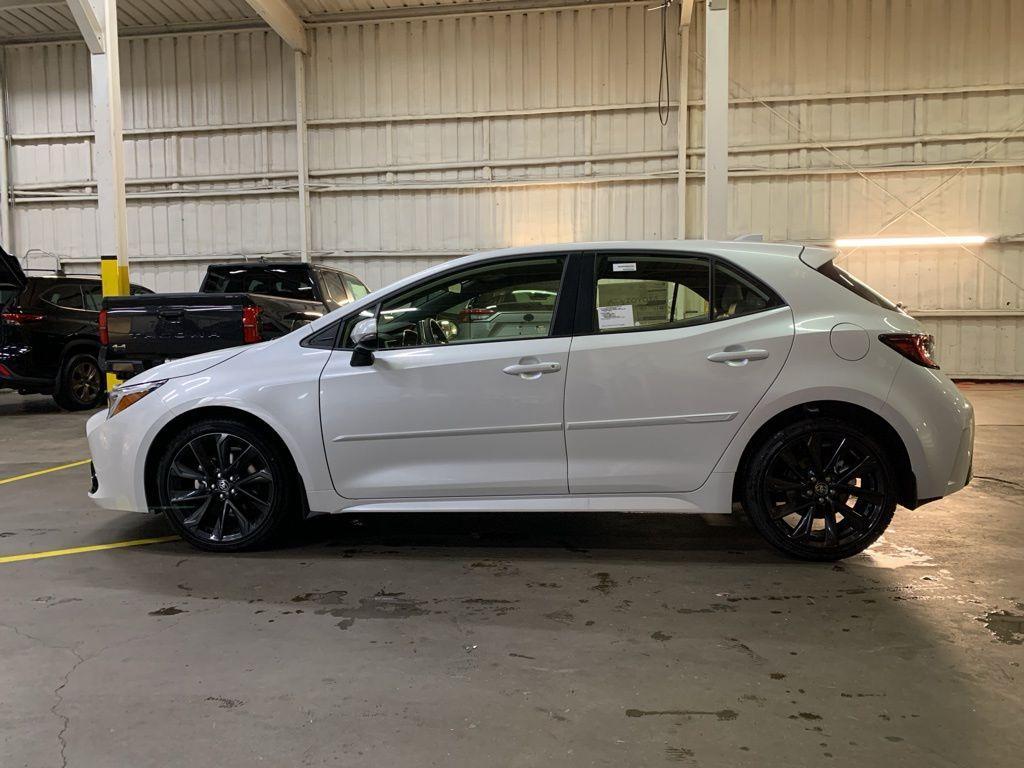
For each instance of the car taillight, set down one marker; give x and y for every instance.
(916, 347)
(20, 318)
(5, 372)
(251, 331)
(104, 332)
(468, 315)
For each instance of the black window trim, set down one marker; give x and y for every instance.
(564, 325)
(586, 308)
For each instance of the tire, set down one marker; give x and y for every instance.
(81, 385)
(227, 487)
(821, 489)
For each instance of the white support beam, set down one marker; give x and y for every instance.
(716, 120)
(88, 24)
(108, 154)
(6, 235)
(682, 118)
(302, 154)
(283, 20)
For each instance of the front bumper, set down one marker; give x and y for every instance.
(118, 481)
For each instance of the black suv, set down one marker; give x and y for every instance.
(49, 335)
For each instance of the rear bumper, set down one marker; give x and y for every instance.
(17, 371)
(936, 423)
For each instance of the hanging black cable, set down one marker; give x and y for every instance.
(663, 75)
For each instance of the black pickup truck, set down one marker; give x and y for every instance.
(236, 304)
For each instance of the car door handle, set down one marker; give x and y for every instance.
(531, 370)
(740, 356)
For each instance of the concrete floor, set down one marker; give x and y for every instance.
(525, 640)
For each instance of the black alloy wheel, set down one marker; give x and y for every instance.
(225, 487)
(81, 384)
(821, 490)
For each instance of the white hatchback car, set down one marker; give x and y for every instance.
(629, 377)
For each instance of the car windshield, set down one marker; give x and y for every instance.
(289, 282)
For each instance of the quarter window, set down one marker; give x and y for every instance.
(335, 288)
(492, 302)
(355, 287)
(736, 296)
(643, 292)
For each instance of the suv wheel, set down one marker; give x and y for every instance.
(820, 489)
(81, 384)
(226, 487)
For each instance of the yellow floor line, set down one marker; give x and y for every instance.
(90, 548)
(44, 471)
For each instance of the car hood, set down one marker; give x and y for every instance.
(190, 366)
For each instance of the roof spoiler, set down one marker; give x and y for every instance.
(815, 256)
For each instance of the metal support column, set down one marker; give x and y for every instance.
(97, 21)
(683, 115)
(716, 120)
(302, 154)
(6, 234)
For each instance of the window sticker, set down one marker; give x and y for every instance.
(624, 267)
(620, 316)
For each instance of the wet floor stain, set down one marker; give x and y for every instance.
(721, 714)
(1006, 627)
(562, 617)
(171, 610)
(605, 583)
(334, 596)
(383, 605)
(679, 754)
(225, 703)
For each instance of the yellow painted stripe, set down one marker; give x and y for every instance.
(80, 550)
(6, 480)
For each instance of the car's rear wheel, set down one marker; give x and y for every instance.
(820, 489)
(81, 384)
(225, 486)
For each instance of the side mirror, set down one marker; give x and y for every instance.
(364, 336)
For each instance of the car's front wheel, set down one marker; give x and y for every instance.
(820, 489)
(225, 486)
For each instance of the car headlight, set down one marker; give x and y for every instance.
(120, 398)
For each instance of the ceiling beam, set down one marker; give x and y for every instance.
(88, 24)
(283, 20)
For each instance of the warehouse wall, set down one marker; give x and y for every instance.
(434, 136)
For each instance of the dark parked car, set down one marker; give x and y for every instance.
(49, 335)
(236, 304)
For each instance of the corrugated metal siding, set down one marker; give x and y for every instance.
(436, 136)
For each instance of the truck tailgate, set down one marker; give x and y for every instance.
(173, 325)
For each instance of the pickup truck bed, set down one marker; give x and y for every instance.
(237, 304)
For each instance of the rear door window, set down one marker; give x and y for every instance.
(64, 295)
(641, 292)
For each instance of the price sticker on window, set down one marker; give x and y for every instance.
(620, 316)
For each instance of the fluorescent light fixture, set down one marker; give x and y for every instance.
(909, 242)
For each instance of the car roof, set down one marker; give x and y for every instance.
(724, 247)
